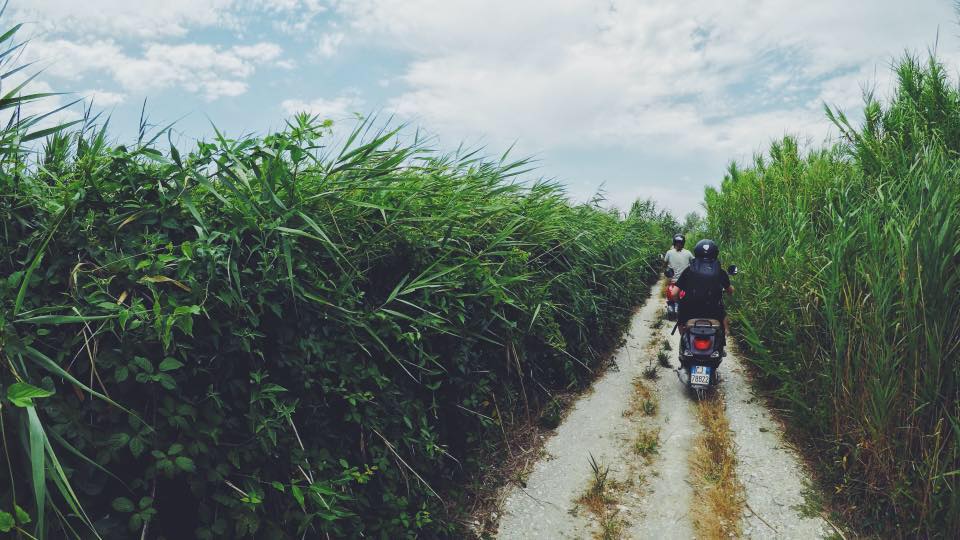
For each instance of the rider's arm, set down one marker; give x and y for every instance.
(727, 286)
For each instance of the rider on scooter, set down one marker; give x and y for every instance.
(703, 284)
(678, 258)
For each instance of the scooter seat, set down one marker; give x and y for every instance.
(704, 322)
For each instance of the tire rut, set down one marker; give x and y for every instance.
(772, 475)
(665, 508)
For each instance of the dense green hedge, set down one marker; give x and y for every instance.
(290, 336)
(849, 299)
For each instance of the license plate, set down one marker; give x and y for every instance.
(700, 375)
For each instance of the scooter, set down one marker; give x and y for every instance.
(673, 296)
(701, 350)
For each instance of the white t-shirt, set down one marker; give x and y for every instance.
(678, 260)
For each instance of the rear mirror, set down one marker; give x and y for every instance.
(669, 273)
(732, 270)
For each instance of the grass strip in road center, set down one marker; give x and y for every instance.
(718, 493)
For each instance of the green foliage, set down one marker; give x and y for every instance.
(283, 336)
(552, 414)
(849, 299)
(22, 394)
(649, 407)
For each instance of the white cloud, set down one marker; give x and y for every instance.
(103, 98)
(678, 77)
(296, 17)
(119, 18)
(337, 108)
(329, 44)
(646, 82)
(208, 70)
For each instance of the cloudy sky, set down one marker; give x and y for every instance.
(644, 98)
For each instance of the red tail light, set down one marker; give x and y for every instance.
(701, 344)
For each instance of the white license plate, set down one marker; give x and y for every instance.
(700, 375)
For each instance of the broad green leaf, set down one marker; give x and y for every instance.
(118, 440)
(136, 521)
(170, 364)
(6, 522)
(185, 463)
(38, 473)
(136, 447)
(123, 504)
(22, 516)
(143, 364)
(23, 394)
(166, 381)
(298, 495)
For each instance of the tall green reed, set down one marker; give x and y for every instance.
(850, 300)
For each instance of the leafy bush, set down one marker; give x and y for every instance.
(849, 299)
(281, 336)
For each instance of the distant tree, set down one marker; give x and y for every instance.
(694, 225)
(646, 210)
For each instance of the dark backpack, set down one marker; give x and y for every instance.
(703, 286)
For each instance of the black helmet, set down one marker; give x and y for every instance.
(706, 249)
(679, 239)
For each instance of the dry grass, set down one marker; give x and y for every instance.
(512, 463)
(647, 444)
(601, 498)
(644, 401)
(523, 447)
(716, 487)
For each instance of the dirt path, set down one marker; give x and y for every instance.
(652, 497)
(665, 510)
(596, 426)
(769, 469)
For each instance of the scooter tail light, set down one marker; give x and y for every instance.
(701, 344)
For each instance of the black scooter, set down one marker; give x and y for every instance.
(701, 350)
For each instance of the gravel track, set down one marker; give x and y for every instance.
(769, 469)
(656, 502)
(665, 510)
(547, 507)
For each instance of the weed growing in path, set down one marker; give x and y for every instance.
(647, 444)
(601, 499)
(649, 407)
(663, 358)
(650, 373)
